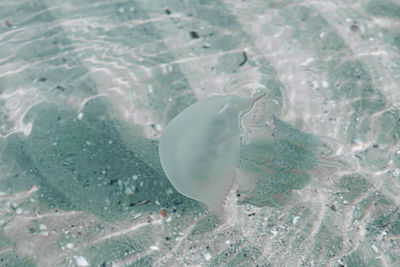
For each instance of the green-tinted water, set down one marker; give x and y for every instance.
(87, 88)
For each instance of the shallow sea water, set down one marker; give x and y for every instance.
(87, 87)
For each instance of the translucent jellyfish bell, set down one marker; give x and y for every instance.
(226, 140)
(200, 148)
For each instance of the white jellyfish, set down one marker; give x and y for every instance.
(225, 140)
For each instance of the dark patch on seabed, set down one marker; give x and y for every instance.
(83, 164)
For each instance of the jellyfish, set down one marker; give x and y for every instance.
(226, 141)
